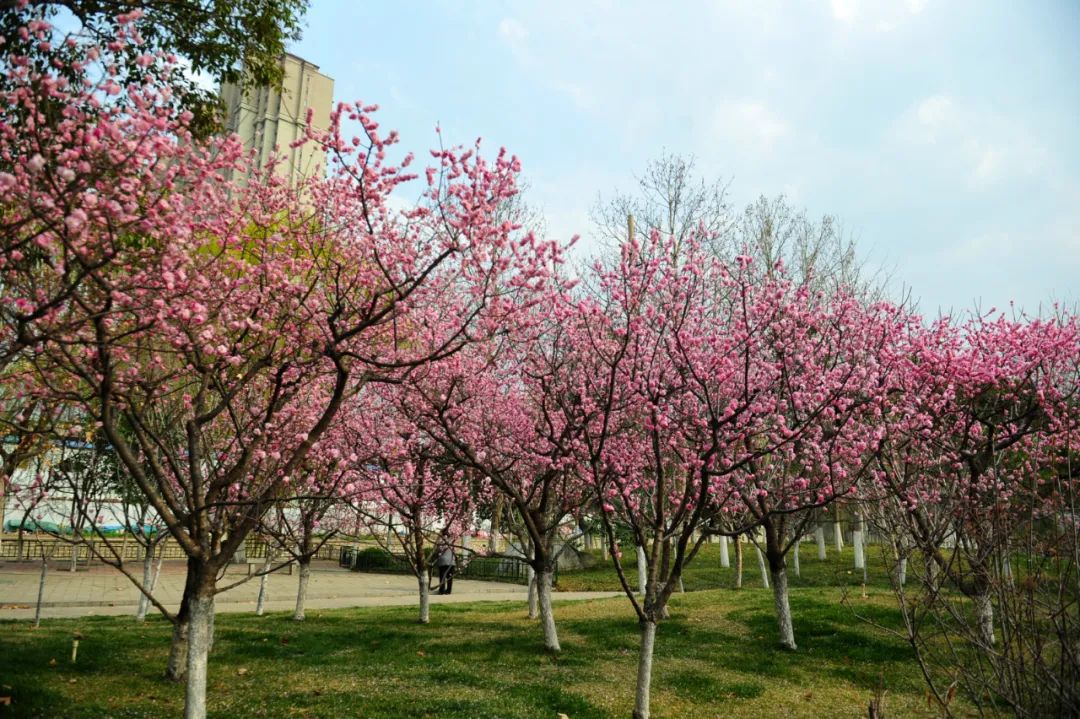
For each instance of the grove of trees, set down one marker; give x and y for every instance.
(288, 360)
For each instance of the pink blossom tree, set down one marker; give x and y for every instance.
(246, 314)
(973, 422)
(497, 412)
(410, 483)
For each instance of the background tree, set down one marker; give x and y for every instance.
(238, 42)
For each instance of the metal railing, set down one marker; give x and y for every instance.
(32, 546)
(493, 569)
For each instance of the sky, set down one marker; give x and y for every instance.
(943, 134)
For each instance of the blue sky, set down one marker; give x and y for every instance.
(945, 135)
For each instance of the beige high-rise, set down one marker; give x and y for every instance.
(269, 121)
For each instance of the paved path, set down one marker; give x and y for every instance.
(104, 591)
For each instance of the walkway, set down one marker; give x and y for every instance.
(105, 591)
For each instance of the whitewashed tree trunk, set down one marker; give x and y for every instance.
(425, 596)
(642, 570)
(761, 566)
(301, 589)
(547, 618)
(260, 603)
(1006, 569)
(74, 558)
(901, 571)
(798, 569)
(202, 611)
(725, 560)
(157, 567)
(783, 609)
(41, 590)
(819, 538)
(644, 675)
(738, 563)
(534, 610)
(857, 545)
(147, 576)
(984, 617)
(838, 535)
(210, 634)
(178, 651)
(682, 587)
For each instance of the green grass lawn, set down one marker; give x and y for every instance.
(705, 572)
(716, 657)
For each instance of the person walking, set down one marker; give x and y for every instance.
(445, 564)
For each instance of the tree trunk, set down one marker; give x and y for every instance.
(301, 589)
(178, 651)
(761, 566)
(901, 571)
(260, 603)
(41, 589)
(147, 575)
(857, 544)
(202, 611)
(725, 560)
(534, 610)
(798, 569)
(642, 570)
(496, 516)
(644, 676)
(1006, 568)
(838, 535)
(74, 558)
(819, 537)
(738, 563)
(210, 627)
(424, 581)
(984, 618)
(783, 607)
(551, 636)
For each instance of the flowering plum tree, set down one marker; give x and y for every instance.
(139, 279)
(498, 412)
(974, 427)
(403, 488)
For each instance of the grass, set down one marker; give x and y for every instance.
(716, 657)
(705, 572)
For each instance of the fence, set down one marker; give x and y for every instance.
(493, 569)
(32, 547)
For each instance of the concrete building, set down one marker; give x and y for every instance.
(269, 121)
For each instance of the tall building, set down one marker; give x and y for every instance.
(268, 120)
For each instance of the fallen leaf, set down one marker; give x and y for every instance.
(52, 663)
(561, 716)
(72, 681)
(808, 697)
(420, 653)
(241, 671)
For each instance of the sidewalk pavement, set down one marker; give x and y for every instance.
(105, 591)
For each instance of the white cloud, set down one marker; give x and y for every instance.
(935, 111)
(984, 146)
(844, 10)
(749, 122)
(881, 15)
(512, 32)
